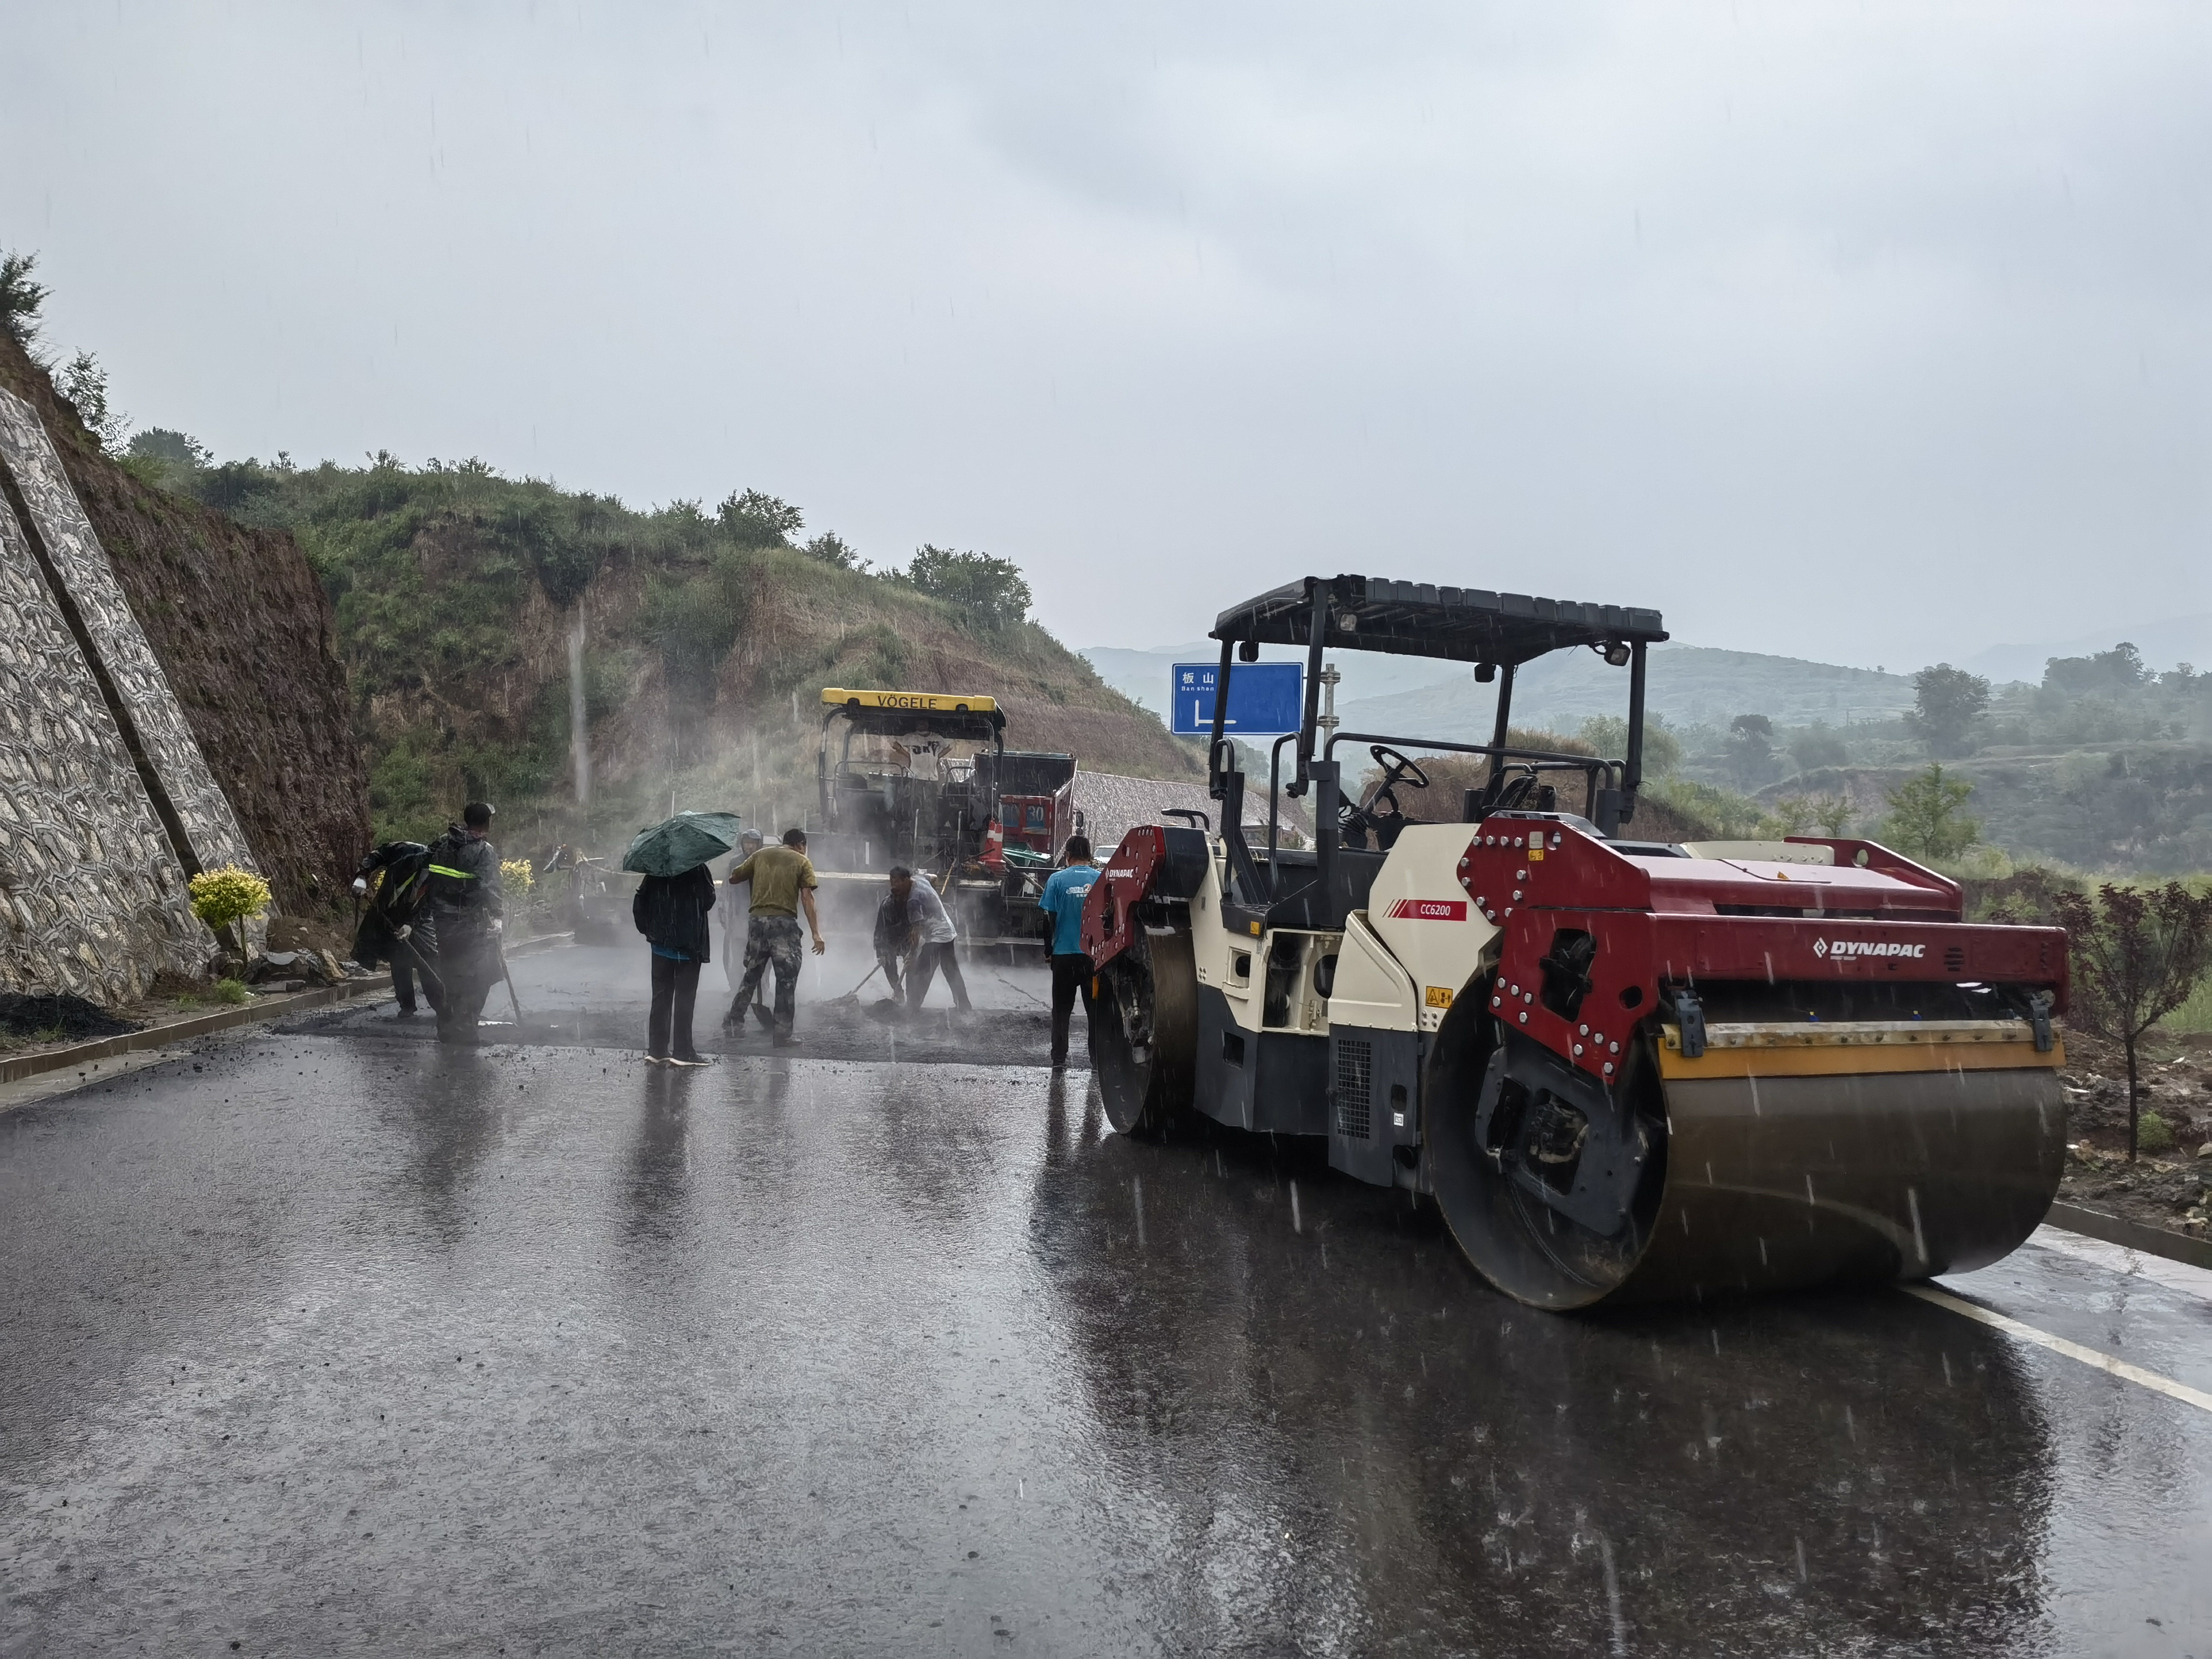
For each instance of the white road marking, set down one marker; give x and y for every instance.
(2102, 1361)
(2193, 1282)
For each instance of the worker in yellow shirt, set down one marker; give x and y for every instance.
(783, 883)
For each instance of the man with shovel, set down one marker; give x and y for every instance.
(783, 881)
(935, 939)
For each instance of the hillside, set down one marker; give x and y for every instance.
(1689, 685)
(705, 640)
(246, 638)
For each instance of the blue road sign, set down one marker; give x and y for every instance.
(1265, 699)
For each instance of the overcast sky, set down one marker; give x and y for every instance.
(1871, 333)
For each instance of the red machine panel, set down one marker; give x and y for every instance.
(1716, 920)
(1108, 925)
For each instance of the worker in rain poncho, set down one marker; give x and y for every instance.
(396, 928)
(467, 904)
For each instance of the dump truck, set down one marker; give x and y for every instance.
(926, 780)
(1620, 1069)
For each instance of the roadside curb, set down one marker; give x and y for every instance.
(183, 1030)
(2130, 1234)
(199, 1026)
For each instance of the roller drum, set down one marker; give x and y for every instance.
(1780, 1169)
(1781, 1182)
(1143, 1023)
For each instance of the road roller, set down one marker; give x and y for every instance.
(1621, 1069)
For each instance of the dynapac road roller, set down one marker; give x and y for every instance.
(1621, 1069)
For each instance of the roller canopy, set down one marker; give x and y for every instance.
(1418, 619)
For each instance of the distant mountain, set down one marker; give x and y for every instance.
(1689, 685)
(2163, 644)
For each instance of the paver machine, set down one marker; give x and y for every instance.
(926, 780)
(1621, 1069)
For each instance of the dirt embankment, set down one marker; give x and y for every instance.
(244, 635)
(2171, 1188)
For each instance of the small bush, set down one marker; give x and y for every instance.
(229, 896)
(2153, 1134)
(232, 991)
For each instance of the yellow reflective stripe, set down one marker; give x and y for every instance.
(457, 875)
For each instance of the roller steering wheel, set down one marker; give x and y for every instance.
(1396, 769)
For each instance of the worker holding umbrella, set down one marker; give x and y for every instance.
(671, 909)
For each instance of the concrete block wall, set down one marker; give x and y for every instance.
(92, 895)
(184, 792)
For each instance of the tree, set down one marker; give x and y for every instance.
(1751, 749)
(83, 387)
(1924, 821)
(756, 520)
(1833, 814)
(2106, 673)
(1793, 815)
(2138, 956)
(988, 595)
(1946, 703)
(20, 298)
(1609, 735)
(832, 549)
(169, 447)
(1817, 746)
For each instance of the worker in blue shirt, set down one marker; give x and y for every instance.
(1062, 901)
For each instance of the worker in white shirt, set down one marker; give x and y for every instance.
(935, 939)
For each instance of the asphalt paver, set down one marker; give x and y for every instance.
(335, 1341)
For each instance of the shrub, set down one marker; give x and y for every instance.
(1711, 812)
(229, 896)
(755, 518)
(1925, 820)
(232, 990)
(2138, 955)
(1607, 735)
(986, 595)
(83, 387)
(2153, 1134)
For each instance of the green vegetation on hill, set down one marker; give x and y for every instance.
(706, 639)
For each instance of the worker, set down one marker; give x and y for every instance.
(396, 928)
(1065, 892)
(466, 906)
(732, 907)
(894, 939)
(783, 883)
(935, 940)
(671, 912)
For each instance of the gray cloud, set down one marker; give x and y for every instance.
(1871, 332)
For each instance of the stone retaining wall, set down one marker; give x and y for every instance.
(153, 723)
(92, 895)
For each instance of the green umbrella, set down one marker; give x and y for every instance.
(685, 842)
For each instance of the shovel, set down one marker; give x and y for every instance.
(854, 995)
(511, 996)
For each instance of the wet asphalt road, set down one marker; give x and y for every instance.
(344, 1344)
